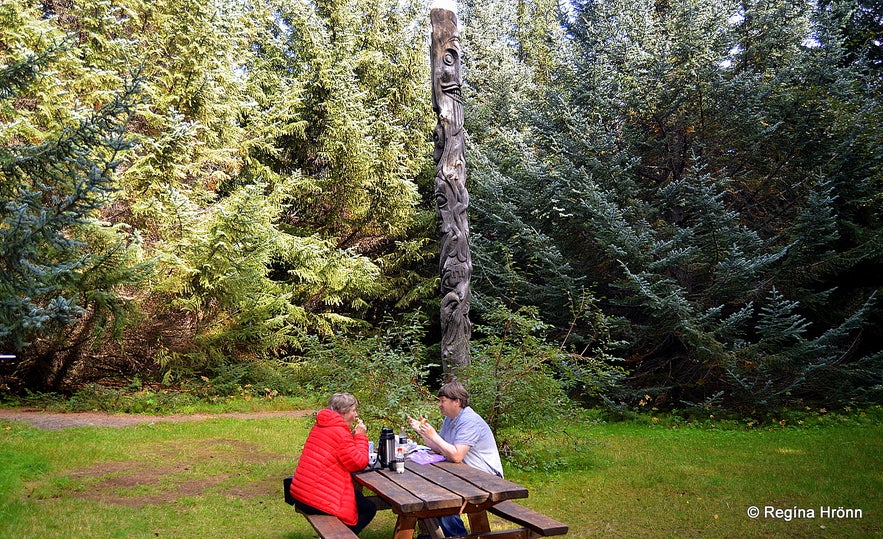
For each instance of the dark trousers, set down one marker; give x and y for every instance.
(364, 506)
(452, 526)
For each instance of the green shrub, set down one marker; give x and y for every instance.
(385, 371)
(518, 379)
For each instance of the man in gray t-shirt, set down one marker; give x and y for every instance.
(469, 429)
(464, 437)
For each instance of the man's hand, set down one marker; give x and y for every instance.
(422, 427)
(454, 453)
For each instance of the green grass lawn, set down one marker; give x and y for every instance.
(641, 482)
(221, 478)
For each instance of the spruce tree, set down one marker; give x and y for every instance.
(691, 159)
(64, 268)
(513, 52)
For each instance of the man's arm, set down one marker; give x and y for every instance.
(451, 452)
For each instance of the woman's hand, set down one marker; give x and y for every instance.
(360, 428)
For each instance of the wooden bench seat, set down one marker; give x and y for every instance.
(330, 527)
(530, 519)
(518, 533)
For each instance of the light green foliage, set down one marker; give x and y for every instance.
(511, 380)
(272, 176)
(222, 271)
(357, 70)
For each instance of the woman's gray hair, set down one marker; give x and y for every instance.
(342, 402)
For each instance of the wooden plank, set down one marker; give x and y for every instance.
(399, 499)
(498, 489)
(440, 476)
(434, 497)
(529, 518)
(517, 533)
(432, 528)
(330, 527)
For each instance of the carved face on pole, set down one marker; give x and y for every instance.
(446, 99)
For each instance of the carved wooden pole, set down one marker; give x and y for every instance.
(452, 199)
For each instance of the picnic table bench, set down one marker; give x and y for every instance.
(539, 523)
(330, 527)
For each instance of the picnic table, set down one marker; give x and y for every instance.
(425, 492)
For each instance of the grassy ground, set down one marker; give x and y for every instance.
(642, 482)
(221, 478)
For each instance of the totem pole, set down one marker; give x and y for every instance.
(452, 200)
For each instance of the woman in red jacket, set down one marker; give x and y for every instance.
(322, 482)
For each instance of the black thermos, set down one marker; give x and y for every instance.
(386, 449)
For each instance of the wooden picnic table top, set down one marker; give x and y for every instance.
(438, 489)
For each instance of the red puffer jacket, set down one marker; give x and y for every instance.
(322, 478)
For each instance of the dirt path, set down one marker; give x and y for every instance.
(54, 421)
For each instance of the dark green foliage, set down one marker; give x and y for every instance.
(58, 259)
(859, 25)
(702, 164)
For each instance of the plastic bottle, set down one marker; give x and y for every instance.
(400, 460)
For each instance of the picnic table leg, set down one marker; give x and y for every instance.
(432, 528)
(478, 522)
(405, 527)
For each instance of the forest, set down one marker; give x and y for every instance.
(672, 204)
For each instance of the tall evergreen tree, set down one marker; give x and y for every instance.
(63, 266)
(510, 49)
(688, 168)
(341, 115)
(513, 54)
